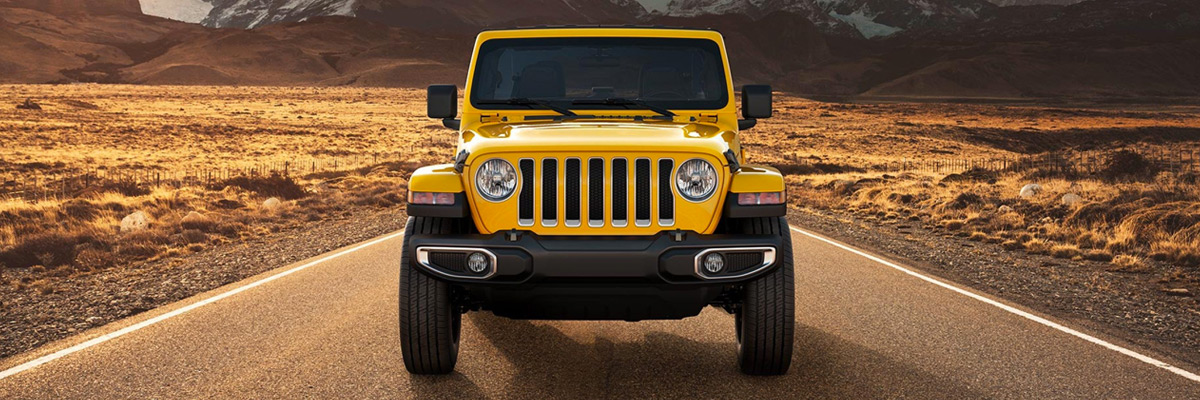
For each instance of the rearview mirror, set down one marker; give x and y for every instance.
(443, 104)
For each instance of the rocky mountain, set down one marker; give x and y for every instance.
(868, 18)
(937, 48)
(1006, 3)
(68, 7)
(423, 14)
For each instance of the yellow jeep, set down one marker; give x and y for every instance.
(598, 176)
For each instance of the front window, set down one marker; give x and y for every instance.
(582, 73)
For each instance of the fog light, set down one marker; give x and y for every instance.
(714, 263)
(478, 263)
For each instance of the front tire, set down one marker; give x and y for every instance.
(430, 322)
(766, 320)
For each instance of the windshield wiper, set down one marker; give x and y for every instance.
(621, 101)
(521, 101)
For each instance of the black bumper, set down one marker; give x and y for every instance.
(596, 278)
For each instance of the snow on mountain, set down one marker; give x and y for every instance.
(255, 13)
(692, 8)
(871, 18)
(192, 11)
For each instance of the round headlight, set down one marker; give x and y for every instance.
(496, 179)
(696, 180)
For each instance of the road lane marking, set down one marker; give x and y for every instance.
(140, 325)
(1094, 340)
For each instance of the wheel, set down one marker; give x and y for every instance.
(766, 320)
(430, 322)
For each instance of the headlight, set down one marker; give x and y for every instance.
(696, 180)
(496, 179)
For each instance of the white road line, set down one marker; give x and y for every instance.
(140, 325)
(1005, 307)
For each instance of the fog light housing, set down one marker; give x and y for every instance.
(714, 263)
(429, 198)
(478, 263)
(761, 199)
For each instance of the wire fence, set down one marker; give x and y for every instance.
(37, 185)
(1179, 161)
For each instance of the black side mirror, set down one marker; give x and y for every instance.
(443, 104)
(756, 103)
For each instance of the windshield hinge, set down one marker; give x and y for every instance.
(711, 118)
(485, 118)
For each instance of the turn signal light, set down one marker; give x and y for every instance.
(427, 198)
(760, 199)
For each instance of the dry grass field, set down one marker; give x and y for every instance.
(869, 159)
(1116, 184)
(346, 149)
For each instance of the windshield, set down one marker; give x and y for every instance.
(600, 73)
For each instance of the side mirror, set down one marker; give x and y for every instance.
(443, 104)
(756, 103)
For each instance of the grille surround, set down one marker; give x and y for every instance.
(586, 193)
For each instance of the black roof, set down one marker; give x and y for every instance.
(626, 26)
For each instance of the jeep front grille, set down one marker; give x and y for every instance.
(604, 184)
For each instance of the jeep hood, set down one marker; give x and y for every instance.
(597, 137)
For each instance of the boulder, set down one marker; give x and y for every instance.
(135, 222)
(1031, 190)
(228, 204)
(842, 186)
(195, 220)
(1071, 199)
(272, 204)
(1004, 209)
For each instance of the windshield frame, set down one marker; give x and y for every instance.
(721, 65)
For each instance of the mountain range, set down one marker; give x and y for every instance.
(955, 48)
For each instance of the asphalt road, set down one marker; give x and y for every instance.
(329, 330)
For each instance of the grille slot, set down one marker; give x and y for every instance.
(737, 262)
(642, 192)
(525, 198)
(571, 173)
(453, 262)
(596, 192)
(666, 197)
(549, 192)
(620, 187)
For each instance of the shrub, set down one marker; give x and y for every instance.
(1065, 251)
(1128, 263)
(1037, 246)
(1012, 245)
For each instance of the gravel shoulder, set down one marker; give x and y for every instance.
(29, 318)
(1082, 293)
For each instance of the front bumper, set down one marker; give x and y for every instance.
(626, 278)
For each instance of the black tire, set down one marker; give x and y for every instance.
(430, 323)
(766, 321)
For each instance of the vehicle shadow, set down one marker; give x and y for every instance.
(551, 364)
(452, 386)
